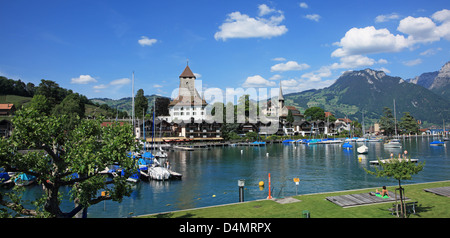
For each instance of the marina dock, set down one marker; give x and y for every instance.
(388, 160)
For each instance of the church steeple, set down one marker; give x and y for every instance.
(280, 98)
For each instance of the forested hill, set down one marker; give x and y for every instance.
(21, 94)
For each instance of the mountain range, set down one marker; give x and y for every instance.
(425, 97)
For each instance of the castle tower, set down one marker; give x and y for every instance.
(188, 104)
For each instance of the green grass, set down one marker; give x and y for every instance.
(429, 206)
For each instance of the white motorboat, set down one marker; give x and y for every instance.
(394, 143)
(363, 149)
(158, 173)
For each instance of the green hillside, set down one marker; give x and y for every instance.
(370, 91)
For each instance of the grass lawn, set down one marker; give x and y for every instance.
(429, 206)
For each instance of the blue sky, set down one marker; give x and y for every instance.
(92, 47)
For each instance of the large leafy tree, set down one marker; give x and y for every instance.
(314, 113)
(58, 157)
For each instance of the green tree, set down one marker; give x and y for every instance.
(408, 124)
(399, 170)
(51, 91)
(387, 122)
(314, 113)
(289, 117)
(140, 103)
(73, 107)
(70, 158)
(40, 104)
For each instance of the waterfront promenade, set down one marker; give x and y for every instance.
(429, 205)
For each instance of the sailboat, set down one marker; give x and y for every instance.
(362, 149)
(394, 143)
(439, 142)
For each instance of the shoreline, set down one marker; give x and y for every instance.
(274, 199)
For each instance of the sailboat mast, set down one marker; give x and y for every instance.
(153, 132)
(143, 128)
(132, 102)
(395, 120)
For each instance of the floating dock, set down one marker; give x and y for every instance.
(388, 160)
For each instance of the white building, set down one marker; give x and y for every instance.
(189, 104)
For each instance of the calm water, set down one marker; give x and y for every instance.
(215, 171)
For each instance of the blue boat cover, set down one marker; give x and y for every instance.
(4, 177)
(148, 155)
(347, 145)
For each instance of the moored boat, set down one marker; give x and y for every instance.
(363, 149)
(394, 143)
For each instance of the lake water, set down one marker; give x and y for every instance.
(210, 176)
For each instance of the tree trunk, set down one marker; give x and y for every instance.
(52, 202)
(401, 200)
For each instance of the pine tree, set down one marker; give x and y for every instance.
(140, 104)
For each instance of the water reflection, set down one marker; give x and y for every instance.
(210, 175)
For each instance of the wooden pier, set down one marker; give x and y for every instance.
(443, 191)
(360, 199)
(389, 160)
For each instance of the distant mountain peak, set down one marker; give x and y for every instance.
(443, 77)
(376, 74)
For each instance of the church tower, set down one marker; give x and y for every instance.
(280, 98)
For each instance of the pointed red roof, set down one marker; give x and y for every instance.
(187, 73)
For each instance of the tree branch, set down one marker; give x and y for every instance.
(17, 207)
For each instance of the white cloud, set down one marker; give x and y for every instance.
(145, 41)
(257, 81)
(101, 86)
(385, 70)
(279, 59)
(431, 51)
(157, 86)
(354, 61)
(264, 10)
(122, 81)
(115, 84)
(385, 18)
(313, 17)
(289, 66)
(303, 5)
(317, 75)
(239, 25)
(412, 62)
(369, 40)
(444, 17)
(83, 79)
(276, 77)
(420, 29)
